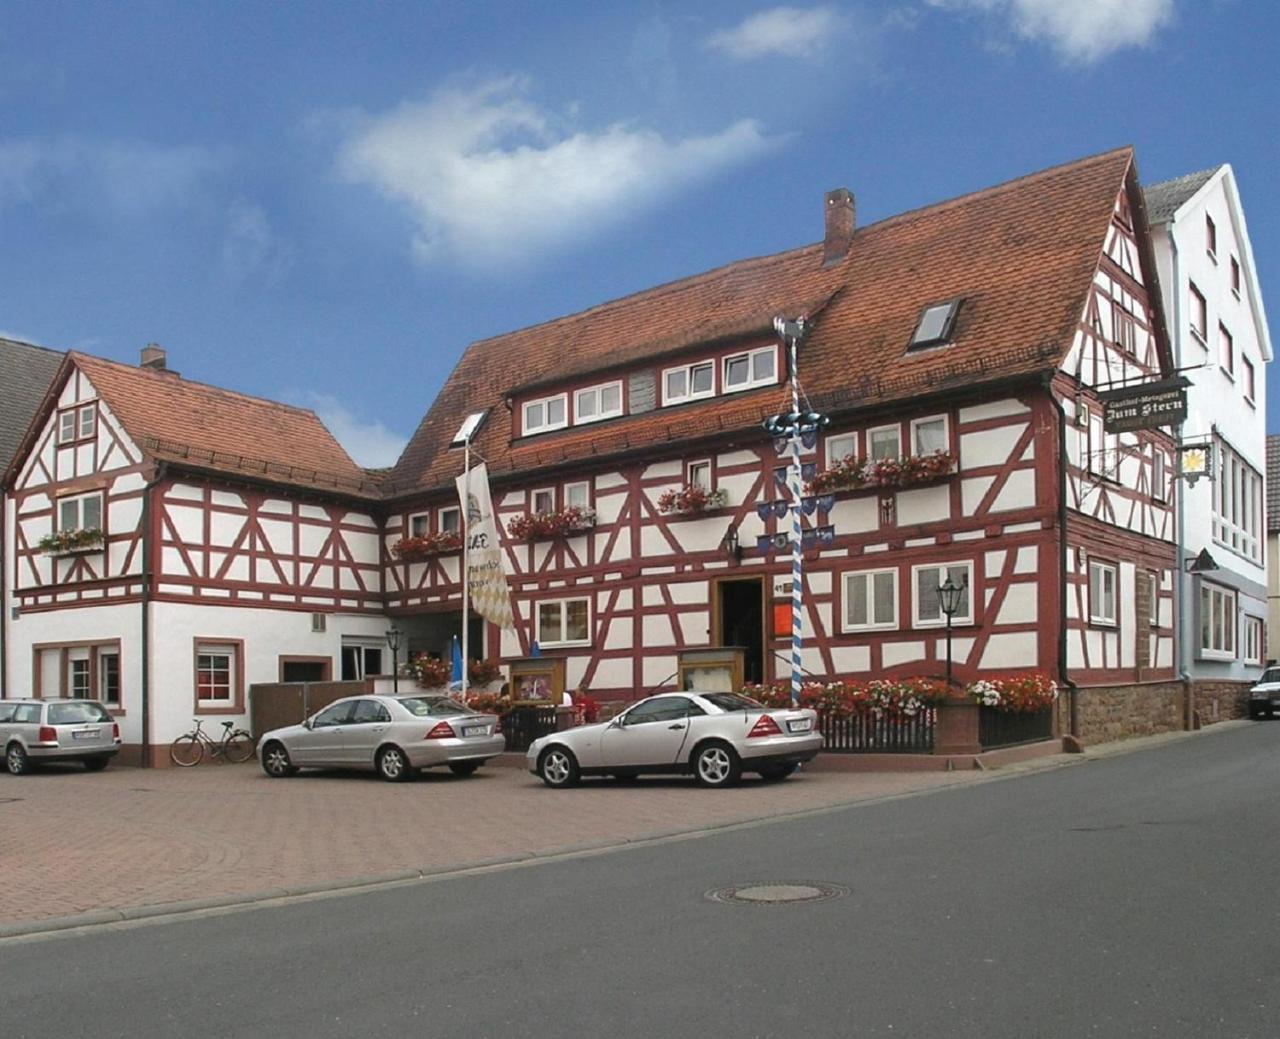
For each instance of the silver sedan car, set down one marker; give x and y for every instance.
(715, 736)
(393, 735)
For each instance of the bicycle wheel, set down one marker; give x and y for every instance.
(186, 751)
(238, 747)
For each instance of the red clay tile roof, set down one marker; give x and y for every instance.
(1021, 255)
(208, 428)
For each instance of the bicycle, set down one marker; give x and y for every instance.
(190, 748)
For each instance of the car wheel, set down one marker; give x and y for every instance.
(16, 760)
(774, 773)
(393, 766)
(558, 767)
(95, 764)
(276, 761)
(716, 764)
(464, 768)
(1255, 711)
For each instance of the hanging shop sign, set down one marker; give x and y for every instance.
(1148, 406)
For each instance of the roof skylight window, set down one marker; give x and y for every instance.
(470, 426)
(935, 324)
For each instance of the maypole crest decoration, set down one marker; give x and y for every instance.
(799, 428)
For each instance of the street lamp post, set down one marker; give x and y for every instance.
(393, 644)
(949, 596)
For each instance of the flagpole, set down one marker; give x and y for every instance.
(466, 561)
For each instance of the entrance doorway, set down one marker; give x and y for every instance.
(740, 622)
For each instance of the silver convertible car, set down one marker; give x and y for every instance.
(394, 735)
(716, 736)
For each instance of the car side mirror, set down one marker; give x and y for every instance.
(310, 723)
(617, 723)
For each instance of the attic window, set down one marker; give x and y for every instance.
(935, 324)
(467, 431)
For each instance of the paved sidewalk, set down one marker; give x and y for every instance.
(74, 842)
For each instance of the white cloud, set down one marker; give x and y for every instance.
(490, 177)
(251, 247)
(370, 444)
(118, 178)
(1079, 30)
(787, 32)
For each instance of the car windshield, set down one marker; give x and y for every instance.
(1271, 674)
(77, 711)
(433, 706)
(731, 701)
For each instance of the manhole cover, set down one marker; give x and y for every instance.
(777, 893)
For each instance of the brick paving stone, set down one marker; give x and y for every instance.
(74, 842)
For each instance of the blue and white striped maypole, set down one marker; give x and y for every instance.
(795, 425)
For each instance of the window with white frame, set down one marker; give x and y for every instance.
(449, 519)
(884, 442)
(1103, 579)
(699, 474)
(928, 603)
(598, 402)
(1250, 385)
(754, 368)
(1252, 632)
(1159, 481)
(77, 423)
(1199, 315)
(80, 512)
(546, 414)
(362, 658)
(419, 524)
(870, 600)
(1153, 600)
(1217, 621)
(688, 382)
(577, 494)
(544, 500)
(1211, 237)
(1238, 504)
(1227, 351)
(840, 447)
(109, 677)
(79, 672)
(217, 674)
(929, 435)
(564, 622)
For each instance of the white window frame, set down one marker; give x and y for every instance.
(1226, 351)
(103, 655)
(1198, 301)
(689, 394)
(563, 604)
(449, 510)
(213, 648)
(80, 673)
(1227, 649)
(867, 578)
(78, 500)
(1104, 619)
(916, 423)
(1159, 478)
(363, 644)
(527, 429)
(690, 479)
(533, 500)
(419, 524)
(72, 423)
(1253, 641)
(895, 428)
(1153, 595)
(750, 357)
(598, 390)
(1249, 380)
(1237, 504)
(943, 570)
(586, 493)
(831, 446)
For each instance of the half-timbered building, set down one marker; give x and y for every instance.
(958, 351)
(170, 542)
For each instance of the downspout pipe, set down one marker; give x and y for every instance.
(1180, 576)
(1073, 700)
(4, 594)
(145, 634)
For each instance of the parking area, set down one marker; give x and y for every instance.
(75, 842)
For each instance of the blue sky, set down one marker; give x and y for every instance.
(325, 202)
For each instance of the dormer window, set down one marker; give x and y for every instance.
(541, 416)
(688, 382)
(470, 426)
(77, 424)
(748, 370)
(935, 324)
(597, 402)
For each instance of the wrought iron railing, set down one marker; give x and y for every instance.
(522, 725)
(864, 733)
(1009, 728)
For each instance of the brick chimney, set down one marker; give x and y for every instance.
(153, 356)
(839, 213)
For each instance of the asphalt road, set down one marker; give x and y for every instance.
(1133, 895)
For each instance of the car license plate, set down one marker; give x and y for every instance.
(85, 734)
(800, 725)
(475, 730)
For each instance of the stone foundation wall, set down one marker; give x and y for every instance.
(1220, 701)
(1122, 712)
